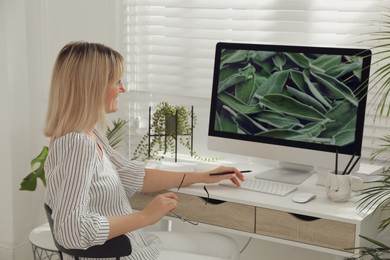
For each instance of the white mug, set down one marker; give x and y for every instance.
(339, 187)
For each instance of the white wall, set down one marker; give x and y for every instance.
(5, 157)
(16, 123)
(32, 32)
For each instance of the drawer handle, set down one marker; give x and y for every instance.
(304, 217)
(212, 201)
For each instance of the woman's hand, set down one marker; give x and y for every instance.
(159, 207)
(153, 212)
(234, 177)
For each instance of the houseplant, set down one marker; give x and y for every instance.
(377, 197)
(169, 126)
(114, 135)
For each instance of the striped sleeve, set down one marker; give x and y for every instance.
(131, 172)
(69, 181)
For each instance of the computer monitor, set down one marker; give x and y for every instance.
(298, 105)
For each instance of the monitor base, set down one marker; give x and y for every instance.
(290, 175)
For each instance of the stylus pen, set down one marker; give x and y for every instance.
(349, 163)
(336, 170)
(224, 173)
(353, 165)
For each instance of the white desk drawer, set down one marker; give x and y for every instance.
(223, 214)
(305, 229)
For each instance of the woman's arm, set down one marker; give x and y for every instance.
(157, 208)
(158, 180)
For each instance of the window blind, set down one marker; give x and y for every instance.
(169, 44)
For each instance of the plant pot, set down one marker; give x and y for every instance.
(171, 125)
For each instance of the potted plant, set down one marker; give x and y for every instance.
(169, 126)
(377, 196)
(29, 183)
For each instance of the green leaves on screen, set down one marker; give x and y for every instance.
(288, 95)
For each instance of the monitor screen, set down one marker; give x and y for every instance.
(294, 104)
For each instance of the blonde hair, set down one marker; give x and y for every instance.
(80, 77)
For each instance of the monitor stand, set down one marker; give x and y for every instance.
(287, 173)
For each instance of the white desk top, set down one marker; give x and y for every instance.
(320, 207)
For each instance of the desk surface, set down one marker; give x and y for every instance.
(319, 207)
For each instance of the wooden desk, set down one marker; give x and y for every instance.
(319, 225)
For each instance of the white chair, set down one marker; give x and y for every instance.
(42, 243)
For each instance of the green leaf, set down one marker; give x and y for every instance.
(334, 89)
(299, 59)
(306, 99)
(232, 81)
(266, 69)
(260, 59)
(277, 120)
(29, 183)
(248, 125)
(244, 90)
(237, 105)
(327, 62)
(226, 122)
(384, 148)
(344, 137)
(217, 122)
(316, 93)
(116, 134)
(259, 79)
(279, 61)
(376, 242)
(274, 84)
(236, 56)
(343, 69)
(40, 159)
(289, 106)
(226, 73)
(298, 79)
(340, 116)
(313, 129)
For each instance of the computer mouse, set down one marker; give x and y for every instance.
(303, 197)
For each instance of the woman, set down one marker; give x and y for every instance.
(89, 183)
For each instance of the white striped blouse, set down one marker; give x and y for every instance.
(82, 189)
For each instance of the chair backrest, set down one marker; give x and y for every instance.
(116, 247)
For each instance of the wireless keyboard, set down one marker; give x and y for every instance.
(263, 186)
